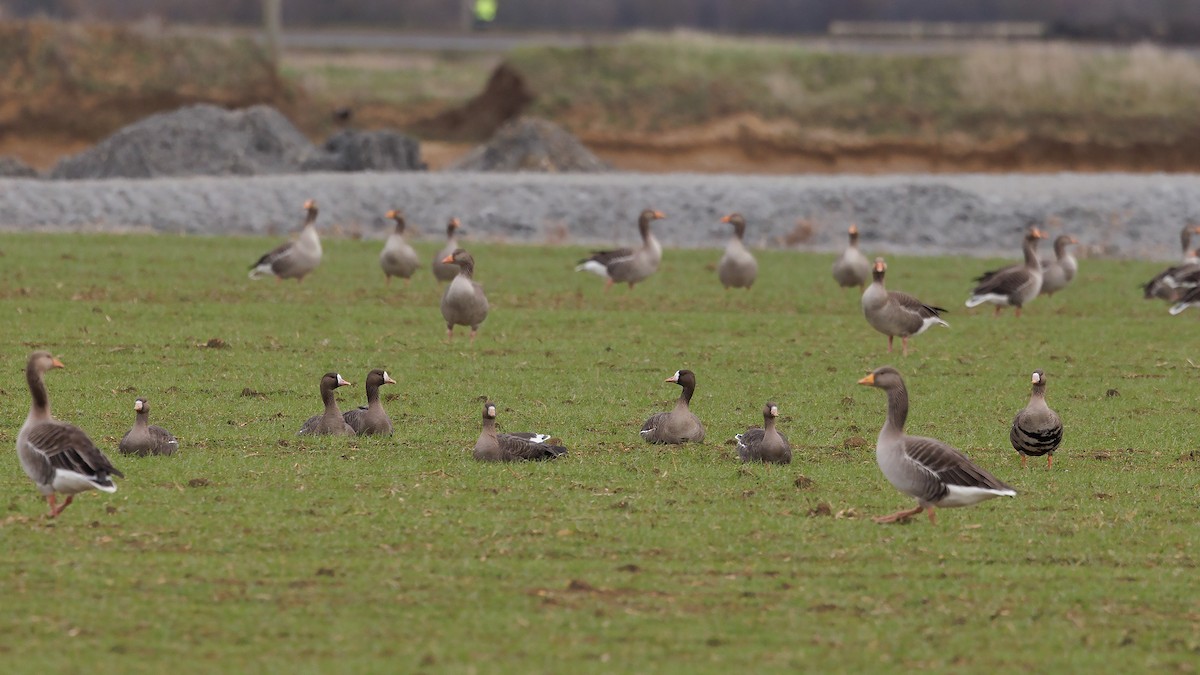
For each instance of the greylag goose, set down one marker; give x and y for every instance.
(1036, 430)
(442, 270)
(680, 425)
(1060, 271)
(463, 303)
(894, 313)
(853, 268)
(933, 472)
(1014, 285)
(737, 268)
(1172, 283)
(628, 265)
(766, 444)
(398, 259)
(145, 438)
(1189, 298)
(58, 457)
(296, 258)
(497, 447)
(371, 418)
(331, 421)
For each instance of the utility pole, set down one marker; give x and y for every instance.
(273, 28)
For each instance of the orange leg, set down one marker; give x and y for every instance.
(450, 334)
(932, 516)
(473, 331)
(1049, 461)
(1018, 312)
(997, 312)
(889, 344)
(900, 515)
(904, 343)
(608, 284)
(55, 510)
(1023, 458)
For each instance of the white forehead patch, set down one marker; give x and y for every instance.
(1036, 378)
(676, 375)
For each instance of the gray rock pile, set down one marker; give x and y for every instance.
(530, 144)
(383, 150)
(11, 167)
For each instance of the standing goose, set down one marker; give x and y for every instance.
(145, 438)
(331, 421)
(933, 472)
(679, 425)
(1014, 285)
(1036, 430)
(853, 268)
(58, 457)
(1172, 283)
(496, 447)
(766, 444)
(371, 418)
(442, 270)
(894, 313)
(737, 268)
(1188, 298)
(463, 303)
(398, 259)
(1060, 271)
(628, 265)
(296, 258)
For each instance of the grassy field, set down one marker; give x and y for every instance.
(255, 550)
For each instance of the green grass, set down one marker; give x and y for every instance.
(255, 550)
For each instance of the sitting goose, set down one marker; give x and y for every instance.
(1060, 271)
(58, 457)
(496, 447)
(331, 421)
(398, 259)
(1036, 430)
(444, 271)
(766, 444)
(463, 303)
(937, 474)
(737, 268)
(1014, 285)
(145, 438)
(679, 425)
(371, 418)
(628, 265)
(296, 258)
(853, 268)
(894, 313)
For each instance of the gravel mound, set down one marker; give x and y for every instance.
(530, 144)
(350, 150)
(11, 167)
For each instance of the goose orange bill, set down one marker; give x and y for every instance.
(869, 379)
(448, 259)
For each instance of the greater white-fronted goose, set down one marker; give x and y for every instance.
(894, 313)
(737, 268)
(58, 457)
(852, 268)
(679, 425)
(463, 303)
(398, 259)
(933, 472)
(1036, 430)
(628, 265)
(371, 419)
(766, 444)
(294, 259)
(1173, 283)
(497, 447)
(145, 438)
(442, 270)
(1015, 285)
(1060, 271)
(330, 422)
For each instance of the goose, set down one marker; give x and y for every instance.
(935, 473)
(628, 265)
(1060, 271)
(442, 270)
(463, 303)
(371, 418)
(1014, 285)
(737, 268)
(853, 268)
(679, 425)
(398, 259)
(294, 259)
(1172, 283)
(766, 444)
(58, 457)
(1188, 298)
(331, 421)
(894, 313)
(145, 438)
(497, 447)
(1036, 430)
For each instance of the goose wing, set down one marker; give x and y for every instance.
(68, 448)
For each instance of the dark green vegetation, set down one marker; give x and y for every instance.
(257, 550)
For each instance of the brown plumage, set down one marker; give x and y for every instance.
(371, 419)
(442, 270)
(398, 259)
(680, 425)
(1015, 285)
(294, 259)
(737, 268)
(894, 313)
(628, 265)
(145, 438)
(492, 446)
(1058, 272)
(1036, 430)
(463, 303)
(330, 422)
(852, 268)
(766, 444)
